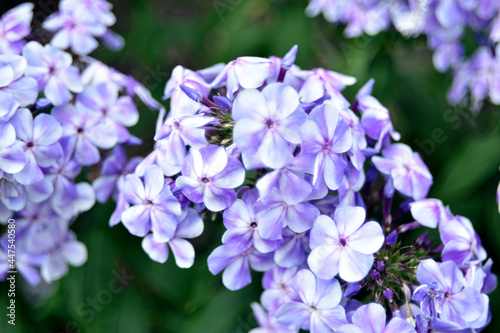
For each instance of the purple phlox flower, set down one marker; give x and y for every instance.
(460, 84)
(277, 214)
(447, 55)
(52, 69)
(351, 185)
(318, 309)
(5, 213)
(40, 138)
(371, 318)
(100, 9)
(290, 78)
(12, 156)
(431, 299)
(326, 137)
(180, 103)
(490, 279)
(430, 212)
(443, 295)
(190, 226)
(449, 14)
(236, 265)
(476, 277)
(461, 242)
(14, 27)
(39, 227)
(39, 191)
(12, 194)
(209, 175)
(244, 72)
(409, 18)
(88, 130)
(121, 205)
(278, 287)
(351, 290)
(15, 89)
(320, 82)
(268, 123)
(119, 112)
(27, 264)
(289, 180)
(408, 172)
(294, 250)
(68, 251)
(154, 208)
(375, 120)
(63, 172)
(134, 88)
(495, 30)
(73, 200)
(114, 167)
(344, 245)
(267, 321)
(174, 135)
(75, 29)
(485, 82)
(210, 73)
(241, 221)
(327, 204)
(358, 151)
(371, 18)
(97, 72)
(331, 10)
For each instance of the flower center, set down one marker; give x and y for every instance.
(176, 125)
(342, 242)
(269, 123)
(205, 180)
(253, 224)
(30, 144)
(79, 130)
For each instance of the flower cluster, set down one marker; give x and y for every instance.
(305, 183)
(59, 115)
(445, 23)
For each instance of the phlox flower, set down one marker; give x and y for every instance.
(344, 245)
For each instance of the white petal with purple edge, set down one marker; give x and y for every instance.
(274, 150)
(305, 285)
(281, 99)
(220, 258)
(31, 173)
(349, 219)
(74, 252)
(237, 274)
(183, 252)
(231, 176)
(217, 199)
(162, 225)
(156, 251)
(368, 239)
(46, 130)
(137, 220)
(370, 317)
(294, 315)
(250, 103)
(324, 261)
(354, 265)
(324, 232)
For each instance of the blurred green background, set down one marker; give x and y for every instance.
(461, 150)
